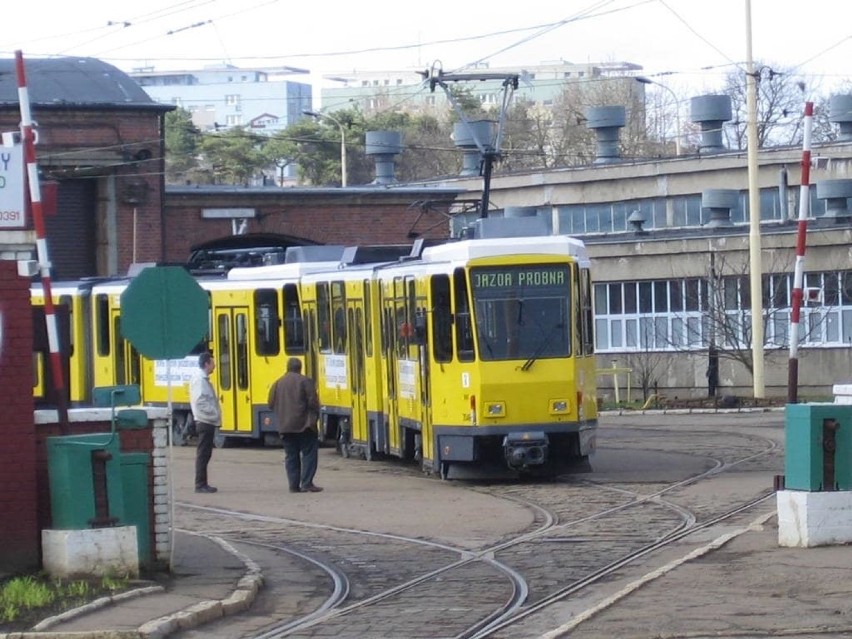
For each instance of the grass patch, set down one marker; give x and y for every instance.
(26, 600)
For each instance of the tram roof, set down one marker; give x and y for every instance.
(465, 250)
(72, 286)
(288, 271)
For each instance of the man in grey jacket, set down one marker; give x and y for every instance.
(293, 399)
(208, 417)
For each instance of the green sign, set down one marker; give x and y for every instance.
(164, 312)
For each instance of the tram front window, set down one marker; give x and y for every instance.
(522, 312)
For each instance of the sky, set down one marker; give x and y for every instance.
(683, 44)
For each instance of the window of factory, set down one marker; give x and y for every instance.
(686, 314)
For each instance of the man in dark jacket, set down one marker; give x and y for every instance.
(293, 399)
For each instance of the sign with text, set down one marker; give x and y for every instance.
(12, 202)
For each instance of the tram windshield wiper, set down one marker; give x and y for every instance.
(541, 347)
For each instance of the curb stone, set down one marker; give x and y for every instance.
(195, 615)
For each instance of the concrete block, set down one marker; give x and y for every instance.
(92, 552)
(807, 519)
(239, 601)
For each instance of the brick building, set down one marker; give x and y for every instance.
(101, 142)
(204, 215)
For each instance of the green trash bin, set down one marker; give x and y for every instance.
(818, 451)
(84, 475)
(137, 500)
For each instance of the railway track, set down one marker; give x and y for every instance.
(584, 533)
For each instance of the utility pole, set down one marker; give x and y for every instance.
(755, 264)
(488, 152)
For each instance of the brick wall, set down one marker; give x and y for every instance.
(19, 531)
(343, 218)
(111, 143)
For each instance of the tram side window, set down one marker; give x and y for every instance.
(368, 320)
(323, 317)
(120, 363)
(224, 366)
(401, 329)
(102, 329)
(588, 313)
(464, 330)
(442, 321)
(576, 297)
(294, 328)
(338, 325)
(266, 322)
(384, 327)
(242, 350)
(65, 300)
(411, 317)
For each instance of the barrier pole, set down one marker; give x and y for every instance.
(28, 138)
(799, 272)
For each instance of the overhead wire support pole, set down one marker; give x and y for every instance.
(491, 152)
(799, 272)
(28, 138)
(755, 262)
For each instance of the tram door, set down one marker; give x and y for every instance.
(389, 369)
(126, 364)
(357, 356)
(231, 348)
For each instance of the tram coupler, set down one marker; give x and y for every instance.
(522, 450)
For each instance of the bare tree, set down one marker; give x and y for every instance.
(646, 365)
(722, 322)
(572, 143)
(780, 101)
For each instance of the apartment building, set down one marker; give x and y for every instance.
(539, 85)
(224, 96)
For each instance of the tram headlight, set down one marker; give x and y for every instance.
(495, 409)
(559, 406)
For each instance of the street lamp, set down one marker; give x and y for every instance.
(644, 80)
(318, 115)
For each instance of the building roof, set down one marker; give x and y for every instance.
(73, 81)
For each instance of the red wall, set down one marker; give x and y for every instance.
(19, 531)
(342, 217)
(24, 485)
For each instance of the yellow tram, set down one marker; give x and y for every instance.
(475, 357)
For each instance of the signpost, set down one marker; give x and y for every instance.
(164, 314)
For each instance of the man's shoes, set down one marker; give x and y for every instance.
(295, 490)
(206, 489)
(310, 488)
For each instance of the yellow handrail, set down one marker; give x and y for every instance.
(654, 397)
(615, 371)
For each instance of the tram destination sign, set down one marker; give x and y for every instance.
(12, 201)
(519, 277)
